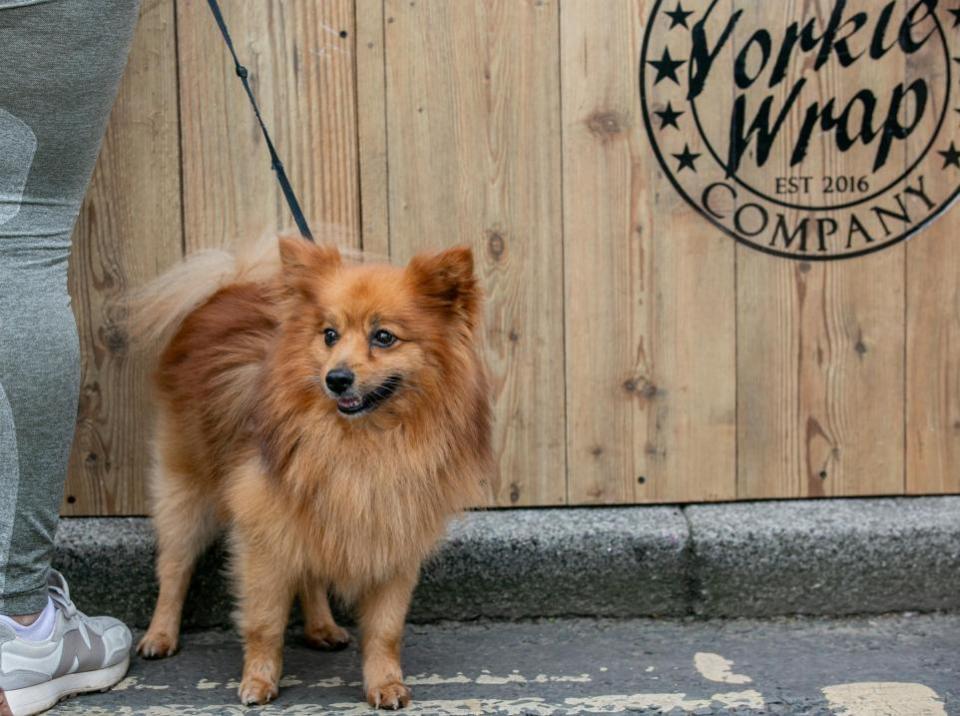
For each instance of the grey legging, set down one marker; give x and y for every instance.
(60, 64)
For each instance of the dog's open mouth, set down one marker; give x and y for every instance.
(356, 404)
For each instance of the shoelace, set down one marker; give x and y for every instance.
(61, 598)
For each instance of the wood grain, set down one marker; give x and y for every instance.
(473, 123)
(300, 54)
(933, 322)
(637, 354)
(649, 290)
(372, 127)
(128, 231)
(820, 369)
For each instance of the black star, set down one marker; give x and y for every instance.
(686, 159)
(679, 16)
(951, 157)
(668, 117)
(956, 16)
(666, 67)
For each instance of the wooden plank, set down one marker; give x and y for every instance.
(372, 127)
(128, 231)
(300, 54)
(649, 289)
(933, 319)
(820, 344)
(473, 117)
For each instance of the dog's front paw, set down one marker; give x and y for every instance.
(257, 690)
(328, 637)
(157, 645)
(392, 695)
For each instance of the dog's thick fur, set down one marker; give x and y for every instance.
(249, 438)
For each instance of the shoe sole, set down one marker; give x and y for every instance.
(40, 697)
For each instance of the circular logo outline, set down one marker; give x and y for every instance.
(910, 231)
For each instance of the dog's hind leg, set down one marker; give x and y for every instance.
(185, 524)
(320, 629)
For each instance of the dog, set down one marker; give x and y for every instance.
(330, 416)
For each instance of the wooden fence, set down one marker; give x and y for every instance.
(639, 354)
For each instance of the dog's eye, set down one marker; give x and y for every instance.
(384, 339)
(330, 336)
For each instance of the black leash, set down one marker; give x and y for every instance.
(275, 162)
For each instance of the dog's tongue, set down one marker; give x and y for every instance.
(349, 403)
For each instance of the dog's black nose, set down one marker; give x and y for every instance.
(339, 379)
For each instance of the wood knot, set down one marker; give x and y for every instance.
(860, 347)
(641, 387)
(514, 492)
(496, 245)
(115, 339)
(596, 450)
(604, 124)
(514, 336)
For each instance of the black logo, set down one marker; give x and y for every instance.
(810, 130)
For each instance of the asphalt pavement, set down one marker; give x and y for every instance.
(905, 664)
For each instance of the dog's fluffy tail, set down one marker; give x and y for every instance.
(156, 310)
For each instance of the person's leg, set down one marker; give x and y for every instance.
(60, 64)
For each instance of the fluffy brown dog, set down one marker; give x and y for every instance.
(331, 417)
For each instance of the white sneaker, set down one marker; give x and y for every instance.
(82, 654)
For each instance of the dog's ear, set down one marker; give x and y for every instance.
(447, 281)
(304, 259)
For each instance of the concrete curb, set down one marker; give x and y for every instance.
(827, 557)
